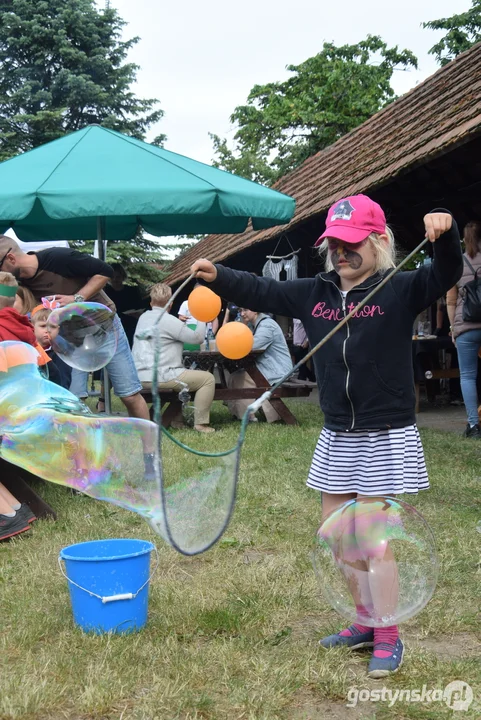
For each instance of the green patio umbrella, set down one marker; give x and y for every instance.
(100, 183)
(97, 183)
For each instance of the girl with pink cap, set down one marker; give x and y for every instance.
(369, 445)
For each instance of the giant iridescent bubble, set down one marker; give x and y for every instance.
(186, 498)
(84, 335)
(376, 561)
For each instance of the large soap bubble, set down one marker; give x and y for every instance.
(186, 496)
(84, 335)
(376, 561)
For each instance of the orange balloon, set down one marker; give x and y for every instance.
(204, 305)
(234, 340)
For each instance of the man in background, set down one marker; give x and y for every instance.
(274, 362)
(73, 276)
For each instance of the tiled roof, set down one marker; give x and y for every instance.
(442, 111)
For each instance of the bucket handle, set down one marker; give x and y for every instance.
(112, 598)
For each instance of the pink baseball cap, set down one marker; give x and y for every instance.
(353, 219)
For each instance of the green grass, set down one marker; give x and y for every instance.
(233, 633)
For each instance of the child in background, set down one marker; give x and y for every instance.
(13, 325)
(39, 318)
(24, 301)
(15, 517)
(58, 371)
(369, 445)
(185, 316)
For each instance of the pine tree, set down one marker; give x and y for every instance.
(63, 66)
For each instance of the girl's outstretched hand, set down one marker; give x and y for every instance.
(436, 224)
(204, 270)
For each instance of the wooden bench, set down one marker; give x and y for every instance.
(22, 484)
(215, 362)
(173, 411)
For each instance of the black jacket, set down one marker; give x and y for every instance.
(365, 372)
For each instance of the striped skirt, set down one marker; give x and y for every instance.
(379, 462)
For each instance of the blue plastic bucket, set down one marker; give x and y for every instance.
(108, 583)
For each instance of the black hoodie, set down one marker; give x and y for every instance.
(365, 371)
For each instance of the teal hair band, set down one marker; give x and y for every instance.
(8, 290)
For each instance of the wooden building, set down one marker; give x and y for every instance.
(421, 152)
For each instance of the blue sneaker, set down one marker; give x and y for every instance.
(382, 667)
(355, 641)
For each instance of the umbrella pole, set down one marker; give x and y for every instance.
(102, 256)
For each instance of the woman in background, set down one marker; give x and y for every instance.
(172, 375)
(467, 335)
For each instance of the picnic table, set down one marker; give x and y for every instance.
(210, 361)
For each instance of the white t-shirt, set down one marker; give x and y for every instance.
(185, 312)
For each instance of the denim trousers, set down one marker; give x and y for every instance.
(121, 369)
(468, 344)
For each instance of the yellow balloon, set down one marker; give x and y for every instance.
(204, 305)
(234, 340)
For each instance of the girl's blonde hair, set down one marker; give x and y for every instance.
(160, 294)
(28, 300)
(7, 279)
(385, 253)
(40, 314)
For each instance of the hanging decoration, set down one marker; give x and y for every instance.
(289, 263)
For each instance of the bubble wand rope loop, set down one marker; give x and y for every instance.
(256, 405)
(170, 534)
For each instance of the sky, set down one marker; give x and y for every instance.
(200, 58)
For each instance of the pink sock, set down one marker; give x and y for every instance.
(383, 637)
(361, 610)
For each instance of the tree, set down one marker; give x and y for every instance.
(62, 66)
(464, 31)
(143, 259)
(247, 162)
(146, 261)
(328, 95)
